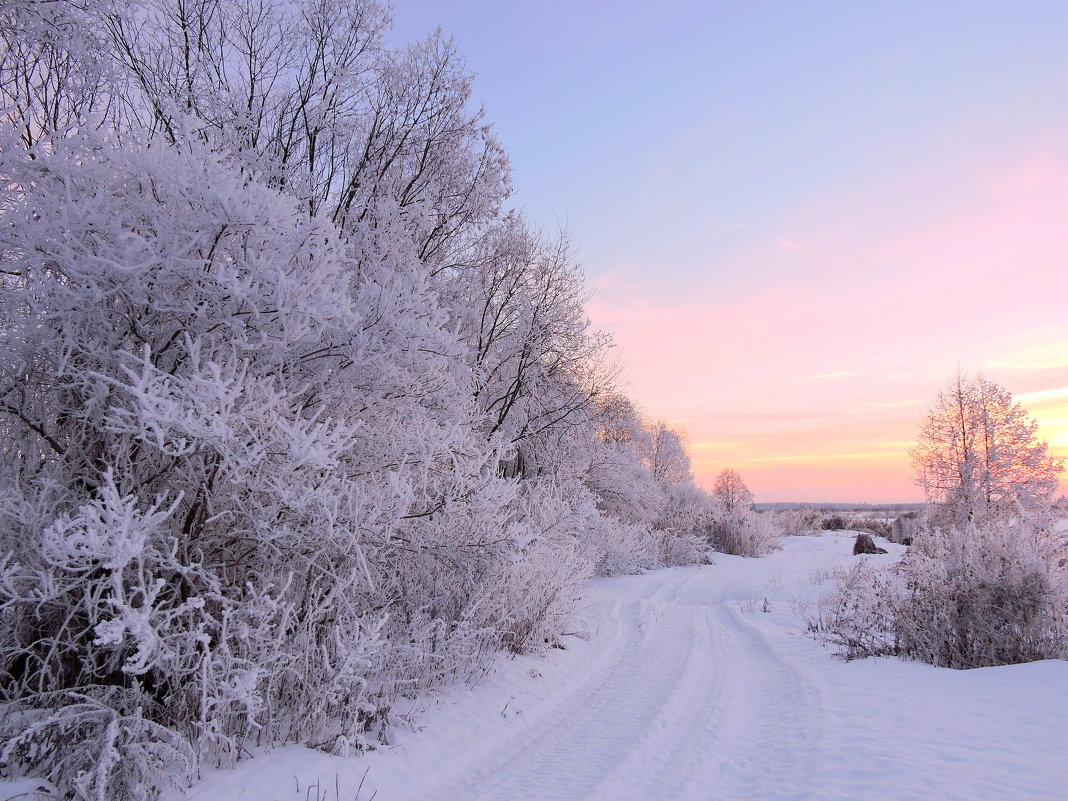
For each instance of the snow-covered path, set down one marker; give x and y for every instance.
(699, 684)
(648, 717)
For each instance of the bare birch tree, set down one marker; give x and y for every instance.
(731, 491)
(979, 457)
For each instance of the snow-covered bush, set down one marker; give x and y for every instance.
(234, 478)
(618, 548)
(684, 516)
(905, 528)
(858, 615)
(678, 549)
(103, 740)
(992, 594)
(173, 480)
(983, 595)
(612, 546)
(530, 596)
(797, 522)
(744, 533)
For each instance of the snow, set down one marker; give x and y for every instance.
(684, 687)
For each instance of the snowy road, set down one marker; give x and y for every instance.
(699, 684)
(649, 718)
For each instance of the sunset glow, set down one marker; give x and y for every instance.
(797, 231)
(812, 384)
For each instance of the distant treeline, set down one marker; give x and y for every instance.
(787, 506)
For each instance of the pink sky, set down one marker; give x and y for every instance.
(810, 369)
(802, 217)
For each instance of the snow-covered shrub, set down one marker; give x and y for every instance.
(222, 453)
(166, 451)
(678, 549)
(797, 522)
(684, 515)
(99, 745)
(905, 528)
(835, 522)
(992, 594)
(744, 533)
(612, 546)
(556, 539)
(528, 599)
(538, 590)
(686, 508)
(858, 615)
(983, 595)
(621, 547)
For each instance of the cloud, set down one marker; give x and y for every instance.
(1043, 395)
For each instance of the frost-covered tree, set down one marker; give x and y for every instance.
(978, 455)
(539, 367)
(666, 455)
(984, 581)
(736, 528)
(295, 419)
(232, 472)
(624, 485)
(55, 71)
(308, 94)
(731, 491)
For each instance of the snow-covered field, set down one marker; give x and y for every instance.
(700, 683)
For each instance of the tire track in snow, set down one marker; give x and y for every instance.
(770, 723)
(686, 701)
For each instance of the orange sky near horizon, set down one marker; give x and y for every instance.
(872, 470)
